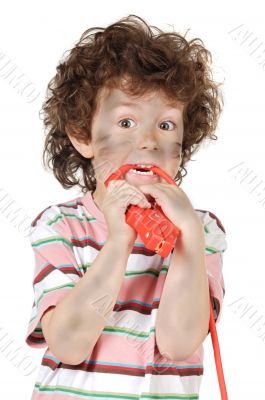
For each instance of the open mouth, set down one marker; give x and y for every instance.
(137, 175)
(142, 171)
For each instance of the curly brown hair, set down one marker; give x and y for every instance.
(153, 60)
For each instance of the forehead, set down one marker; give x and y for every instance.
(111, 98)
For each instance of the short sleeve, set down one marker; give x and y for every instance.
(215, 245)
(56, 269)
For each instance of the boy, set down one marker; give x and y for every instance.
(119, 320)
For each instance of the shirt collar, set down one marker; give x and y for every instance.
(92, 208)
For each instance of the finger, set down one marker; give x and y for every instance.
(150, 189)
(131, 195)
(116, 185)
(120, 185)
(128, 195)
(154, 191)
(134, 198)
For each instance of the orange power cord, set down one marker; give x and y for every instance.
(217, 355)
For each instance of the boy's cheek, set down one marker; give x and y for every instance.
(111, 156)
(114, 149)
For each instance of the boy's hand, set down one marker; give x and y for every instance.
(120, 194)
(174, 202)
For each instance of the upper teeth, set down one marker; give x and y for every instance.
(143, 172)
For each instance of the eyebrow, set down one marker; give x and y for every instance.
(137, 105)
(127, 104)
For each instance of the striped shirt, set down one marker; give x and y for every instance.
(125, 362)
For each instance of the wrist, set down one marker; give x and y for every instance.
(192, 233)
(192, 223)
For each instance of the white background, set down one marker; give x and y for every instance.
(34, 36)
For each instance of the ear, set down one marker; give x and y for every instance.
(85, 149)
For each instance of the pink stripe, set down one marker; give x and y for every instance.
(74, 227)
(141, 287)
(56, 253)
(216, 281)
(48, 395)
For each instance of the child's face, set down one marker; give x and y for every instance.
(145, 132)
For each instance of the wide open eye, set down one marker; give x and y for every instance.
(124, 119)
(167, 122)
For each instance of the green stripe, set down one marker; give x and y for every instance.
(112, 395)
(59, 217)
(206, 229)
(213, 250)
(84, 266)
(150, 271)
(51, 240)
(129, 331)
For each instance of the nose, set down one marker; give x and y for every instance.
(147, 140)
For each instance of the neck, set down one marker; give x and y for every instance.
(96, 199)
